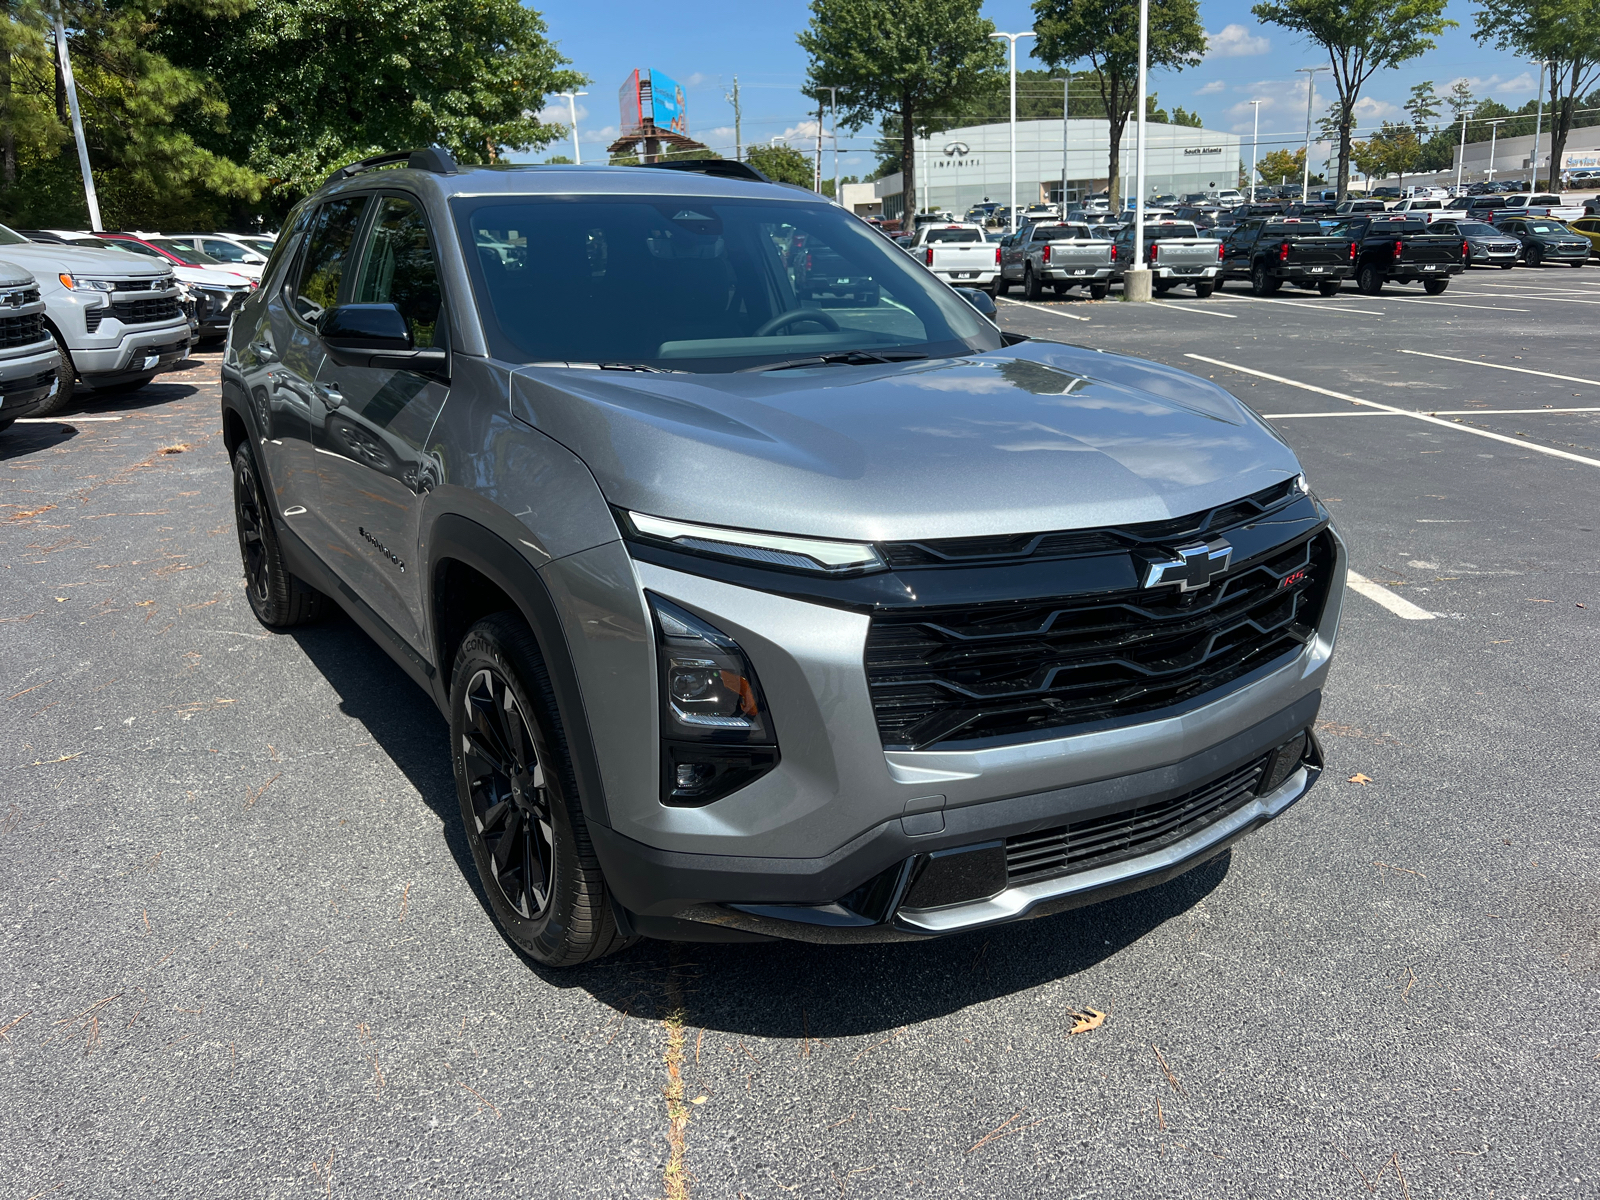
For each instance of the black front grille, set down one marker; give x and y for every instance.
(1084, 845)
(134, 285)
(1068, 543)
(31, 383)
(143, 312)
(22, 331)
(1007, 668)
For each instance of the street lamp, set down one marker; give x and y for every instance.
(1012, 38)
(1538, 122)
(1066, 105)
(1255, 146)
(1461, 154)
(1138, 187)
(1494, 134)
(1311, 89)
(833, 111)
(572, 107)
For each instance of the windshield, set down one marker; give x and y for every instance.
(954, 235)
(10, 237)
(1478, 229)
(698, 284)
(185, 253)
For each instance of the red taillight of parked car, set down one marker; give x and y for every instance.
(1152, 252)
(1283, 252)
(997, 255)
(928, 258)
(1352, 252)
(1046, 256)
(1113, 253)
(1219, 251)
(1399, 247)
(1466, 251)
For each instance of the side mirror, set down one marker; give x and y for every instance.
(979, 300)
(375, 335)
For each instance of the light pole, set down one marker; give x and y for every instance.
(1011, 218)
(77, 125)
(1538, 120)
(1461, 154)
(833, 112)
(1311, 90)
(1066, 105)
(1138, 187)
(1255, 147)
(1494, 134)
(572, 107)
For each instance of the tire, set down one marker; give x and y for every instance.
(1061, 289)
(1533, 256)
(1328, 288)
(122, 389)
(279, 599)
(1099, 291)
(1435, 287)
(1002, 285)
(1507, 266)
(1030, 284)
(1204, 289)
(1161, 286)
(1370, 280)
(1579, 263)
(68, 377)
(519, 800)
(1261, 283)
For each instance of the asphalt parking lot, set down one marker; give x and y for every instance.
(244, 953)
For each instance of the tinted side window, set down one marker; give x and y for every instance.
(399, 269)
(333, 240)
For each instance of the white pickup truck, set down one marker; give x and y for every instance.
(1176, 253)
(958, 254)
(30, 363)
(1058, 256)
(1536, 205)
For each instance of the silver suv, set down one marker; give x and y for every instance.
(758, 611)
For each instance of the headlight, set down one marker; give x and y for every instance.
(814, 555)
(716, 732)
(79, 283)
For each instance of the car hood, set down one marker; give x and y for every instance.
(12, 275)
(1040, 436)
(49, 259)
(214, 276)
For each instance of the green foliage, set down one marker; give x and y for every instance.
(784, 164)
(1459, 98)
(919, 60)
(1277, 165)
(1566, 33)
(1361, 37)
(558, 160)
(827, 184)
(1106, 33)
(1394, 150)
(1181, 117)
(1423, 105)
(314, 84)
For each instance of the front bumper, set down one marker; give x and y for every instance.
(28, 380)
(136, 353)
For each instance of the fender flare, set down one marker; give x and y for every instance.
(465, 541)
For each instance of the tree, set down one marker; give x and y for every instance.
(919, 60)
(314, 84)
(1106, 32)
(1459, 98)
(1566, 33)
(1181, 117)
(1278, 165)
(1393, 150)
(1361, 37)
(784, 164)
(1423, 106)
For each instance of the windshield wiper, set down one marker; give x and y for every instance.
(622, 366)
(847, 358)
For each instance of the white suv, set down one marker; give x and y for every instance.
(227, 248)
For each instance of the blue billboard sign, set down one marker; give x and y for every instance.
(667, 101)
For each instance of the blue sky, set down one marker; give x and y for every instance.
(704, 44)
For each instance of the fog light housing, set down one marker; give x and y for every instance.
(1284, 762)
(716, 733)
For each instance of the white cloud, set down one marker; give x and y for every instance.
(1373, 112)
(1524, 84)
(1212, 88)
(700, 77)
(1235, 41)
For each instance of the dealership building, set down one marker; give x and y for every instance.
(962, 167)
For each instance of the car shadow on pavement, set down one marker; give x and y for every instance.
(164, 390)
(20, 440)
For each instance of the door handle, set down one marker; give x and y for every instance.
(331, 395)
(264, 351)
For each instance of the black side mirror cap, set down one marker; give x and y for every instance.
(364, 327)
(979, 300)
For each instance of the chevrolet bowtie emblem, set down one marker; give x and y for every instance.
(1190, 567)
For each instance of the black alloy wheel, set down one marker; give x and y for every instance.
(1370, 281)
(519, 799)
(66, 384)
(1030, 284)
(510, 802)
(1534, 256)
(278, 598)
(1262, 282)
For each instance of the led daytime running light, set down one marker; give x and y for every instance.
(774, 549)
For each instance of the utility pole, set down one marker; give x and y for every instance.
(1538, 121)
(1461, 154)
(1066, 105)
(738, 141)
(1144, 103)
(572, 107)
(833, 111)
(816, 185)
(77, 125)
(1311, 91)
(1494, 135)
(1011, 219)
(1255, 147)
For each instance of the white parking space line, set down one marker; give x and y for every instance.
(1054, 312)
(1333, 308)
(1435, 412)
(1454, 303)
(61, 420)
(1190, 307)
(1419, 416)
(1477, 362)
(1379, 594)
(1527, 295)
(1357, 413)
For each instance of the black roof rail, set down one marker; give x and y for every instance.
(726, 168)
(435, 159)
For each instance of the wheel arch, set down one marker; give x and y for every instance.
(473, 572)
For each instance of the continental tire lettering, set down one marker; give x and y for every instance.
(383, 550)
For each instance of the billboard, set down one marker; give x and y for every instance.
(651, 98)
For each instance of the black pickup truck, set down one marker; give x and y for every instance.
(1270, 253)
(1399, 250)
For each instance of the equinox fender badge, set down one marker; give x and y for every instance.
(1190, 567)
